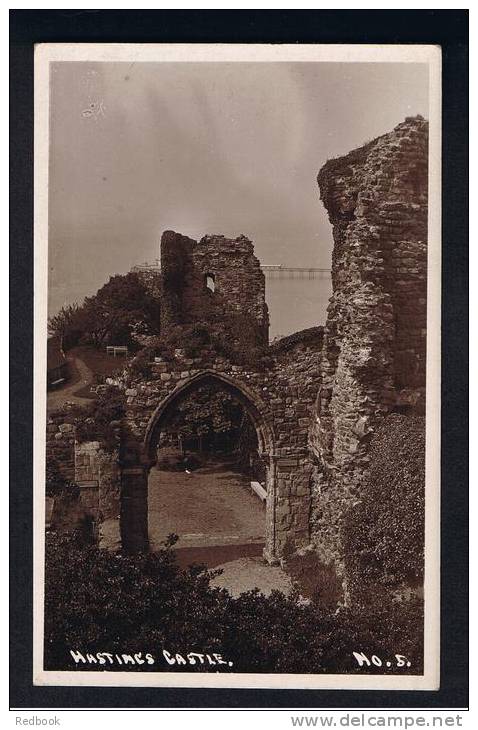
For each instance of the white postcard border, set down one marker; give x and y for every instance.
(197, 53)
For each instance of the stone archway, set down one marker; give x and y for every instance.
(256, 409)
(260, 417)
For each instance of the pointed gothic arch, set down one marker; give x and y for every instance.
(256, 409)
(261, 419)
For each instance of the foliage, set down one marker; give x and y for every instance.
(97, 421)
(190, 338)
(238, 338)
(56, 485)
(234, 337)
(70, 324)
(208, 410)
(384, 533)
(122, 303)
(123, 306)
(97, 601)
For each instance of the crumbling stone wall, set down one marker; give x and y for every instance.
(94, 465)
(92, 468)
(60, 444)
(374, 355)
(278, 384)
(239, 284)
(281, 391)
(317, 396)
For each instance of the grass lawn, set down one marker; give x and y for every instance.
(79, 383)
(98, 361)
(86, 392)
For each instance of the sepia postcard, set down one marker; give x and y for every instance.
(237, 365)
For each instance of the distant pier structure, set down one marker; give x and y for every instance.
(147, 266)
(277, 271)
(297, 297)
(271, 271)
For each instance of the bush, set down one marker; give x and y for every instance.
(99, 602)
(95, 423)
(56, 485)
(96, 601)
(112, 315)
(384, 534)
(238, 338)
(235, 337)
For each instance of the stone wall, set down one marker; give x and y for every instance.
(60, 445)
(93, 469)
(278, 391)
(98, 469)
(374, 355)
(279, 395)
(239, 283)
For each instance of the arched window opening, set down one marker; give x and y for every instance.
(210, 282)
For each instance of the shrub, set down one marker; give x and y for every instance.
(95, 422)
(97, 601)
(56, 485)
(141, 363)
(384, 534)
(111, 315)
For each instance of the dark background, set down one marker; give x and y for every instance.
(447, 28)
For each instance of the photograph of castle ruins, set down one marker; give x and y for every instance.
(236, 368)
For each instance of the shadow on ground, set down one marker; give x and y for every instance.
(215, 555)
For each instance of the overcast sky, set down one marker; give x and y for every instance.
(202, 148)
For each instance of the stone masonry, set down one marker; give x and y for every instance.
(374, 355)
(279, 399)
(315, 397)
(239, 284)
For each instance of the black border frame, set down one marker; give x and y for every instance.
(446, 28)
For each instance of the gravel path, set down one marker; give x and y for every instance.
(248, 573)
(56, 398)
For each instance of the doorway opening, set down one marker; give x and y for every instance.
(209, 481)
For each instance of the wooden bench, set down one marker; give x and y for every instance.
(258, 489)
(116, 350)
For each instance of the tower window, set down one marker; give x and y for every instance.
(210, 282)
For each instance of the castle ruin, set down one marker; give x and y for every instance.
(315, 397)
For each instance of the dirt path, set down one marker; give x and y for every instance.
(221, 524)
(210, 507)
(56, 398)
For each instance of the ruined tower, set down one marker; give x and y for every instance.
(374, 356)
(209, 280)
